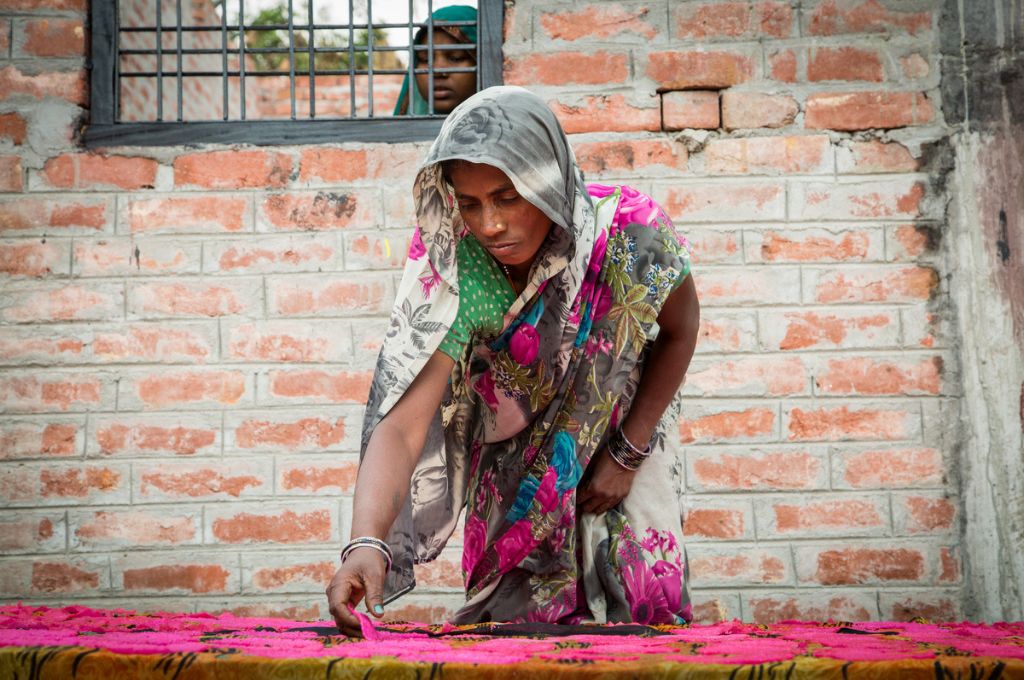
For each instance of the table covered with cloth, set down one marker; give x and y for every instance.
(86, 644)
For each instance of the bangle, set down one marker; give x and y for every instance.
(625, 453)
(369, 542)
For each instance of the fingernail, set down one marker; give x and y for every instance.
(377, 609)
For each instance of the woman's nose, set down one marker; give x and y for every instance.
(492, 223)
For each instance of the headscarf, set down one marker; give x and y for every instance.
(520, 421)
(462, 34)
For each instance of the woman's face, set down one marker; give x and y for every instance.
(450, 89)
(511, 228)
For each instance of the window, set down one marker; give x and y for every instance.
(281, 71)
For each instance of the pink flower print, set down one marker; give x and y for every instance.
(647, 603)
(484, 386)
(597, 254)
(602, 301)
(416, 247)
(547, 495)
(524, 344)
(670, 578)
(430, 281)
(597, 344)
(473, 543)
(636, 208)
(515, 544)
(614, 420)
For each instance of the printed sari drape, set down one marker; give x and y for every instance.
(527, 410)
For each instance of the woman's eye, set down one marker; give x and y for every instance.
(458, 56)
(467, 207)
(508, 200)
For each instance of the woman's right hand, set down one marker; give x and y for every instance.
(361, 576)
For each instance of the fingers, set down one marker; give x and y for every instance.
(375, 600)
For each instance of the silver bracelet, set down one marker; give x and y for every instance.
(369, 542)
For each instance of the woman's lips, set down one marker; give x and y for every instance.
(499, 249)
(443, 93)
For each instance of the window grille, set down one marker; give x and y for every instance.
(270, 71)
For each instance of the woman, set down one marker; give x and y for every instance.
(450, 89)
(517, 381)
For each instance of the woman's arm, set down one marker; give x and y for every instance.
(383, 481)
(606, 482)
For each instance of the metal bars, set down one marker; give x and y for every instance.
(217, 59)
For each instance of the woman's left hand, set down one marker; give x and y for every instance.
(604, 484)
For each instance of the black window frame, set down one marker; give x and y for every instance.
(103, 130)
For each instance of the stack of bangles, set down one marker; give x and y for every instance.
(625, 453)
(369, 542)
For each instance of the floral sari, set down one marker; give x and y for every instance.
(527, 409)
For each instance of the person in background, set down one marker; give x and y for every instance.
(450, 89)
(523, 380)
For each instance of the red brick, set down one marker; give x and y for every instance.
(42, 215)
(293, 577)
(732, 20)
(873, 376)
(193, 578)
(694, 109)
(70, 86)
(718, 202)
(760, 376)
(272, 254)
(890, 468)
(923, 514)
(11, 176)
(685, 70)
(40, 439)
(851, 423)
(62, 302)
(750, 566)
(911, 241)
(815, 245)
(64, 484)
(27, 345)
(178, 436)
(768, 609)
(714, 523)
(232, 169)
(907, 284)
(318, 211)
(272, 610)
(605, 113)
(133, 528)
(727, 333)
(34, 258)
(14, 127)
(328, 296)
(915, 66)
(317, 386)
(710, 246)
(288, 431)
(184, 214)
(837, 516)
(844, 63)
(196, 481)
(638, 155)
(168, 389)
(193, 299)
(316, 478)
(52, 392)
(899, 607)
(52, 38)
(866, 110)
(835, 17)
(131, 257)
(29, 5)
(66, 577)
(374, 250)
(771, 470)
(875, 157)
(429, 611)
(600, 21)
(291, 341)
(748, 286)
(757, 110)
(155, 344)
(902, 198)
(92, 171)
(710, 608)
(32, 532)
(834, 329)
(725, 426)
(782, 65)
(333, 165)
(270, 526)
(949, 563)
(849, 566)
(440, 573)
(5, 38)
(773, 155)
(567, 68)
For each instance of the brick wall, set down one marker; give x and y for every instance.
(187, 335)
